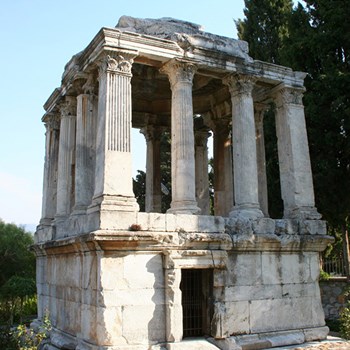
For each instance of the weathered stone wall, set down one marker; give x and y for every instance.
(333, 298)
(110, 297)
(104, 298)
(280, 288)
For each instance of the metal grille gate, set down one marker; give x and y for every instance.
(196, 299)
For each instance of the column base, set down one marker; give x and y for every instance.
(246, 213)
(302, 213)
(184, 207)
(116, 203)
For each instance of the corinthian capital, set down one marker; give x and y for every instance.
(117, 62)
(289, 95)
(239, 84)
(69, 106)
(179, 71)
(52, 121)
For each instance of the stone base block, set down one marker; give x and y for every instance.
(282, 338)
(195, 344)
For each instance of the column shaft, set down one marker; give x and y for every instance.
(202, 179)
(182, 138)
(261, 158)
(49, 203)
(244, 147)
(293, 154)
(153, 200)
(223, 182)
(113, 172)
(66, 171)
(85, 151)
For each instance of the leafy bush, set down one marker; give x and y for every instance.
(24, 338)
(324, 276)
(345, 318)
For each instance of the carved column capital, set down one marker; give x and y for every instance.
(201, 137)
(239, 84)
(90, 85)
(179, 71)
(259, 112)
(119, 62)
(151, 132)
(69, 107)
(289, 95)
(52, 121)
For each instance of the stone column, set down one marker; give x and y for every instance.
(202, 179)
(223, 181)
(293, 155)
(244, 147)
(85, 147)
(182, 137)
(113, 172)
(259, 111)
(65, 181)
(153, 176)
(49, 204)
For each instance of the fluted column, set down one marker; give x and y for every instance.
(259, 111)
(113, 172)
(153, 200)
(293, 155)
(223, 181)
(49, 203)
(244, 147)
(182, 137)
(202, 179)
(85, 146)
(66, 171)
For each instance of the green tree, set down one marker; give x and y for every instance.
(265, 26)
(15, 256)
(17, 269)
(139, 188)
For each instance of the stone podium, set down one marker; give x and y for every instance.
(113, 278)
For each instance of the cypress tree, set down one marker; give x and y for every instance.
(265, 26)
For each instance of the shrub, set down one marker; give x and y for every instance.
(345, 318)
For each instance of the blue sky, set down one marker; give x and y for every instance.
(38, 37)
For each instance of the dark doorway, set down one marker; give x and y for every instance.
(197, 300)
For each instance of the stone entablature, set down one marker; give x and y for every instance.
(102, 264)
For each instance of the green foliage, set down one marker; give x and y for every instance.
(324, 276)
(28, 339)
(24, 338)
(265, 26)
(17, 272)
(139, 188)
(344, 319)
(15, 257)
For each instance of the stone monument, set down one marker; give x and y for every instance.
(111, 277)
